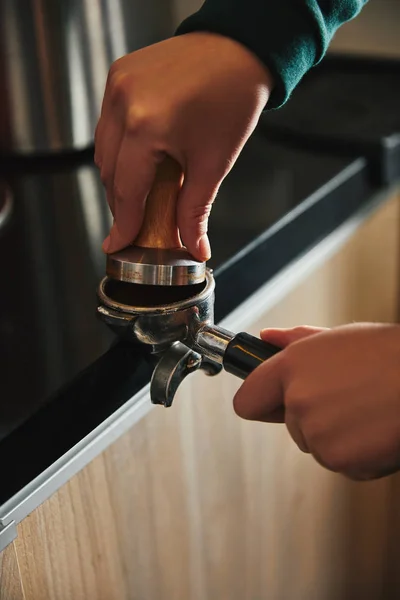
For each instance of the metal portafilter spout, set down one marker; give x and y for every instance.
(156, 294)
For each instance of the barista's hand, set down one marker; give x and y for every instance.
(195, 97)
(338, 391)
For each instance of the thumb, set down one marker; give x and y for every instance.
(194, 207)
(114, 241)
(285, 337)
(260, 398)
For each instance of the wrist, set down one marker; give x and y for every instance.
(238, 60)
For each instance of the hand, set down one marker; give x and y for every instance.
(195, 97)
(338, 391)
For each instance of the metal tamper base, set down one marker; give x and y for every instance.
(155, 266)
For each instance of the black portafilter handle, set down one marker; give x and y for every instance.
(245, 352)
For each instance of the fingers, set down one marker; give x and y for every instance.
(135, 170)
(193, 210)
(261, 396)
(108, 136)
(108, 154)
(285, 337)
(295, 431)
(114, 241)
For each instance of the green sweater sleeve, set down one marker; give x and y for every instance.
(288, 36)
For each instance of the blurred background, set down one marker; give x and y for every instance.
(192, 503)
(47, 45)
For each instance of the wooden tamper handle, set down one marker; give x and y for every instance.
(157, 256)
(159, 228)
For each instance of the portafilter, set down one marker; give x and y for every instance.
(155, 293)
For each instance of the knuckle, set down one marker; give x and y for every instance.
(114, 71)
(333, 458)
(298, 399)
(117, 193)
(327, 450)
(105, 176)
(117, 86)
(97, 162)
(301, 329)
(296, 402)
(288, 359)
(200, 212)
(197, 217)
(138, 119)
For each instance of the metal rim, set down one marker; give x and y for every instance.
(162, 308)
(155, 266)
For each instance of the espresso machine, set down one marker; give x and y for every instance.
(54, 60)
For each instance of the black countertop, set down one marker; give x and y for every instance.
(62, 372)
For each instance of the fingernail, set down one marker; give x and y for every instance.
(204, 248)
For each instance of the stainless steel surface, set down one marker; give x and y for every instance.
(8, 533)
(176, 364)
(155, 266)
(6, 204)
(161, 324)
(54, 60)
(212, 342)
(182, 333)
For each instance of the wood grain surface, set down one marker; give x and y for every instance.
(10, 579)
(159, 228)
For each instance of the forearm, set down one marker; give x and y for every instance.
(288, 36)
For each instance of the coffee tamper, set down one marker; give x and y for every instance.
(158, 257)
(156, 294)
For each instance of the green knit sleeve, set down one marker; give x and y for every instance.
(288, 36)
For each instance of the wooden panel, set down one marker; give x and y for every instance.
(359, 283)
(10, 581)
(68, 548)
(148, 492)
(194, 503)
